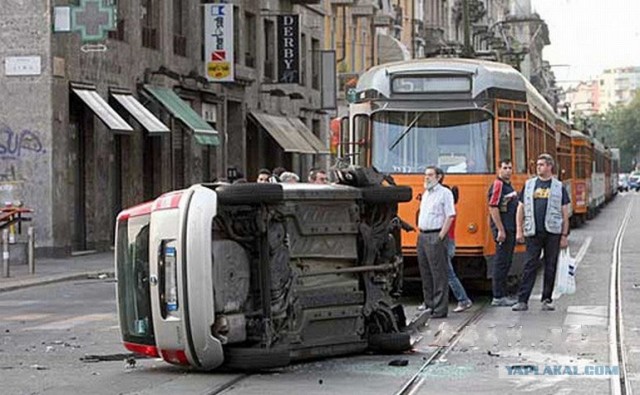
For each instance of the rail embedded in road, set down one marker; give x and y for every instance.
(619, 384)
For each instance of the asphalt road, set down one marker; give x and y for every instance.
(48, 331)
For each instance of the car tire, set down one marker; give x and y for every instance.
(390, 343)
(390, 194)
(249, 193)
(243, 358)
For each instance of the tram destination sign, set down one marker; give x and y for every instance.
(431, 84)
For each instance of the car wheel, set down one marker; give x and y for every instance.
(249, 193)
(391, 194)
(242, 358)
(390, 343)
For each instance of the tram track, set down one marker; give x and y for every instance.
(414, 383)
(620, 385)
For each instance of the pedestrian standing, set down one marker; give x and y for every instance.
(275, 177)
(464, 302)
(436, 215)
(264, 176)
(503, 204)
(318, 176)
(289, 177)
(542, 221)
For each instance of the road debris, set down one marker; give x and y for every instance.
(399, 362)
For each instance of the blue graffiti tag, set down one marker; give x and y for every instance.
(14, 145)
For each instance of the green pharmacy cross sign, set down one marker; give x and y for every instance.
(92, 19)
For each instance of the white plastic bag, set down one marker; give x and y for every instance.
(565, 273)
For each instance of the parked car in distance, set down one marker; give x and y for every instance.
(623, 182)
(634, 181)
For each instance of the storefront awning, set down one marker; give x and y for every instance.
(308, 135)
(140, 113)
(203, 132)
(284, 133)
(102, 109)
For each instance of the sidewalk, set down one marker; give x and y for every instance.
(55, 270)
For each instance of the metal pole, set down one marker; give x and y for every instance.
(5, 253)
(30, 250)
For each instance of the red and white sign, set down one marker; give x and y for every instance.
(218, 42)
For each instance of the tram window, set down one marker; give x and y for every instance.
(361, 127)
(519, 114)
(344, 139)
(344, 136)
(504, 112)
(504, 137)
(581, 169)
(457, 141)
(520, 159)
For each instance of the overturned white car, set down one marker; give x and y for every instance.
(255, 276)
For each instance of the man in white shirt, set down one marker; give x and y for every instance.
(437, 212)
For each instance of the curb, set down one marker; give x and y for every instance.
(27, 283)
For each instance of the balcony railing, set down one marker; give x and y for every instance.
(362, 10)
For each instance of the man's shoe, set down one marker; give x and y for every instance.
(423, 307)
(547, 305)
(520, 306)
(504, 301)
(462, 306)
(439, 315)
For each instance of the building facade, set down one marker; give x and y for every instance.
(76, 150)
(583, 99)
(618, 86)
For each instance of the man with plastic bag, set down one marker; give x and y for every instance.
(542, 221)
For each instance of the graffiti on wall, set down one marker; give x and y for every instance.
(19, 151)
(14, 144)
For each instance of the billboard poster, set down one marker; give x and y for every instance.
(288, 49)
(218, 42)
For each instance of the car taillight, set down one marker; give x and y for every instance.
(175, 356)
(168, 201)
(142, 349)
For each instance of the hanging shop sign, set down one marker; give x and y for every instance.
(288, 49)
(218, 39)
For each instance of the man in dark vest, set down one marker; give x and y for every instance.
(542, 221)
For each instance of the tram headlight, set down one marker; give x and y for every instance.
(472, 228)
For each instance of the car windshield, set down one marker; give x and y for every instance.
(133, 280)
(456, 141)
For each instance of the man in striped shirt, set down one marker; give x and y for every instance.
(503, 204)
